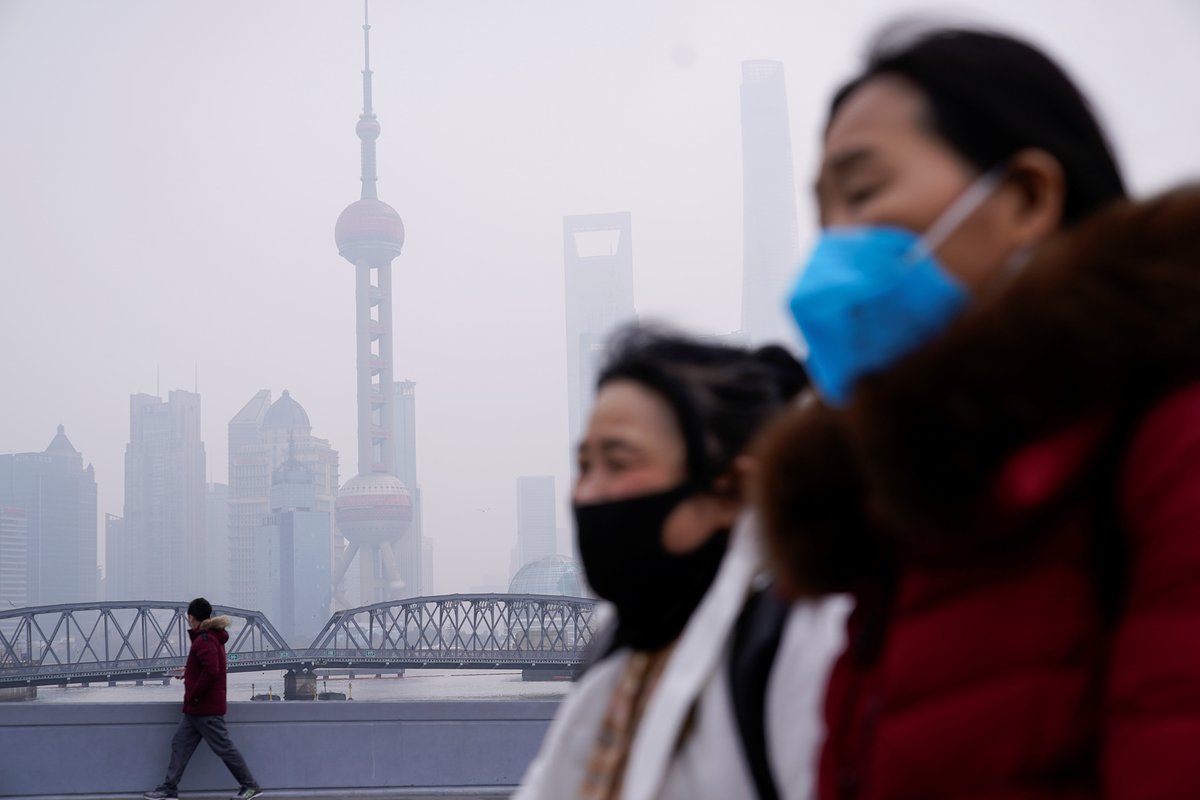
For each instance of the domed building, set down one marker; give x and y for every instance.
(555, 575)
(263, 436)
(286, 413)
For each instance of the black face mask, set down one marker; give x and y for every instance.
(655, 592)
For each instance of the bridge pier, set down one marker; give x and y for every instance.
(299, 685)
(18, 694)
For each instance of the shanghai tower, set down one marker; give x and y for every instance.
(374, 508)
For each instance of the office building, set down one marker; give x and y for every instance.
(537, 528)
(262, 436)
(58, 496)
(598, 276)
(293, 560)
(162, 551)
(769, 221)
(14, 558)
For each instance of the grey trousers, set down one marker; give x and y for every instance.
(211, 728)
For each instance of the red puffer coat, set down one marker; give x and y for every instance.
(1001, 679)
(204, 675)
(1016, 507)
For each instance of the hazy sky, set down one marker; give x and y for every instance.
(173, 171)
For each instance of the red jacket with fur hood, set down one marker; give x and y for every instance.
(204, 675)
(1017, 509)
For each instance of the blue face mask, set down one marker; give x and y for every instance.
(870, 295)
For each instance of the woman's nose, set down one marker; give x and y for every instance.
(587, 489)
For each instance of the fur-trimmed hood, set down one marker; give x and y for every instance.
(1103, 319)
(215, 623)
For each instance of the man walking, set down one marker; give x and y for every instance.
(204, 706)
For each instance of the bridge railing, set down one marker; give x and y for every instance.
(489, 622)
(121, 638)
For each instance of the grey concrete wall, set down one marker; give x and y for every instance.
(91, 748)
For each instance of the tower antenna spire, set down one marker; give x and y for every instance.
(368, 125)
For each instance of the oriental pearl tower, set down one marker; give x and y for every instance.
(374, 508)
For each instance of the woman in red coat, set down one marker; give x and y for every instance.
(1004, 463)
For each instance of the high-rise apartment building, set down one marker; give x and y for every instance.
(598, 275)
(58, 495)
(770, 243)
(162, 552)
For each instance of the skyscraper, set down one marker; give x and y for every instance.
(262, 436)
(374, 508)
(14, 558)
(427, 585)
(770, 244)
(217, 521)
(598, 275)
(58, 495)
(249, 484)
(163, 554)
(114, 547)
(537, 529)
(292, 555)
(411, 548)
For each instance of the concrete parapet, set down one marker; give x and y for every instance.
(427, 749)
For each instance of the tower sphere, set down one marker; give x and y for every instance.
(369, 230)
(375, 508)
(367, 129)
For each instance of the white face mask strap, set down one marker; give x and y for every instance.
(963, 206)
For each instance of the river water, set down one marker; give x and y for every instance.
(425, 684)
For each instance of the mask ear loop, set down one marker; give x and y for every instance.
(956, 214)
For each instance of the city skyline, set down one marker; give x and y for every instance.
(529, 115)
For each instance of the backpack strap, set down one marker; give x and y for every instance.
(756, 639)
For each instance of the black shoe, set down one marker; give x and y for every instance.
(249, 793)
(159, 794)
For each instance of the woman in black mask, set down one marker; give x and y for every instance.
(657, 499)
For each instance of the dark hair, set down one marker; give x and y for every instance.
(990, 96)
(721, 394)
(200, 608)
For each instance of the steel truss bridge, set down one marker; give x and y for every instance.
(124, 641)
